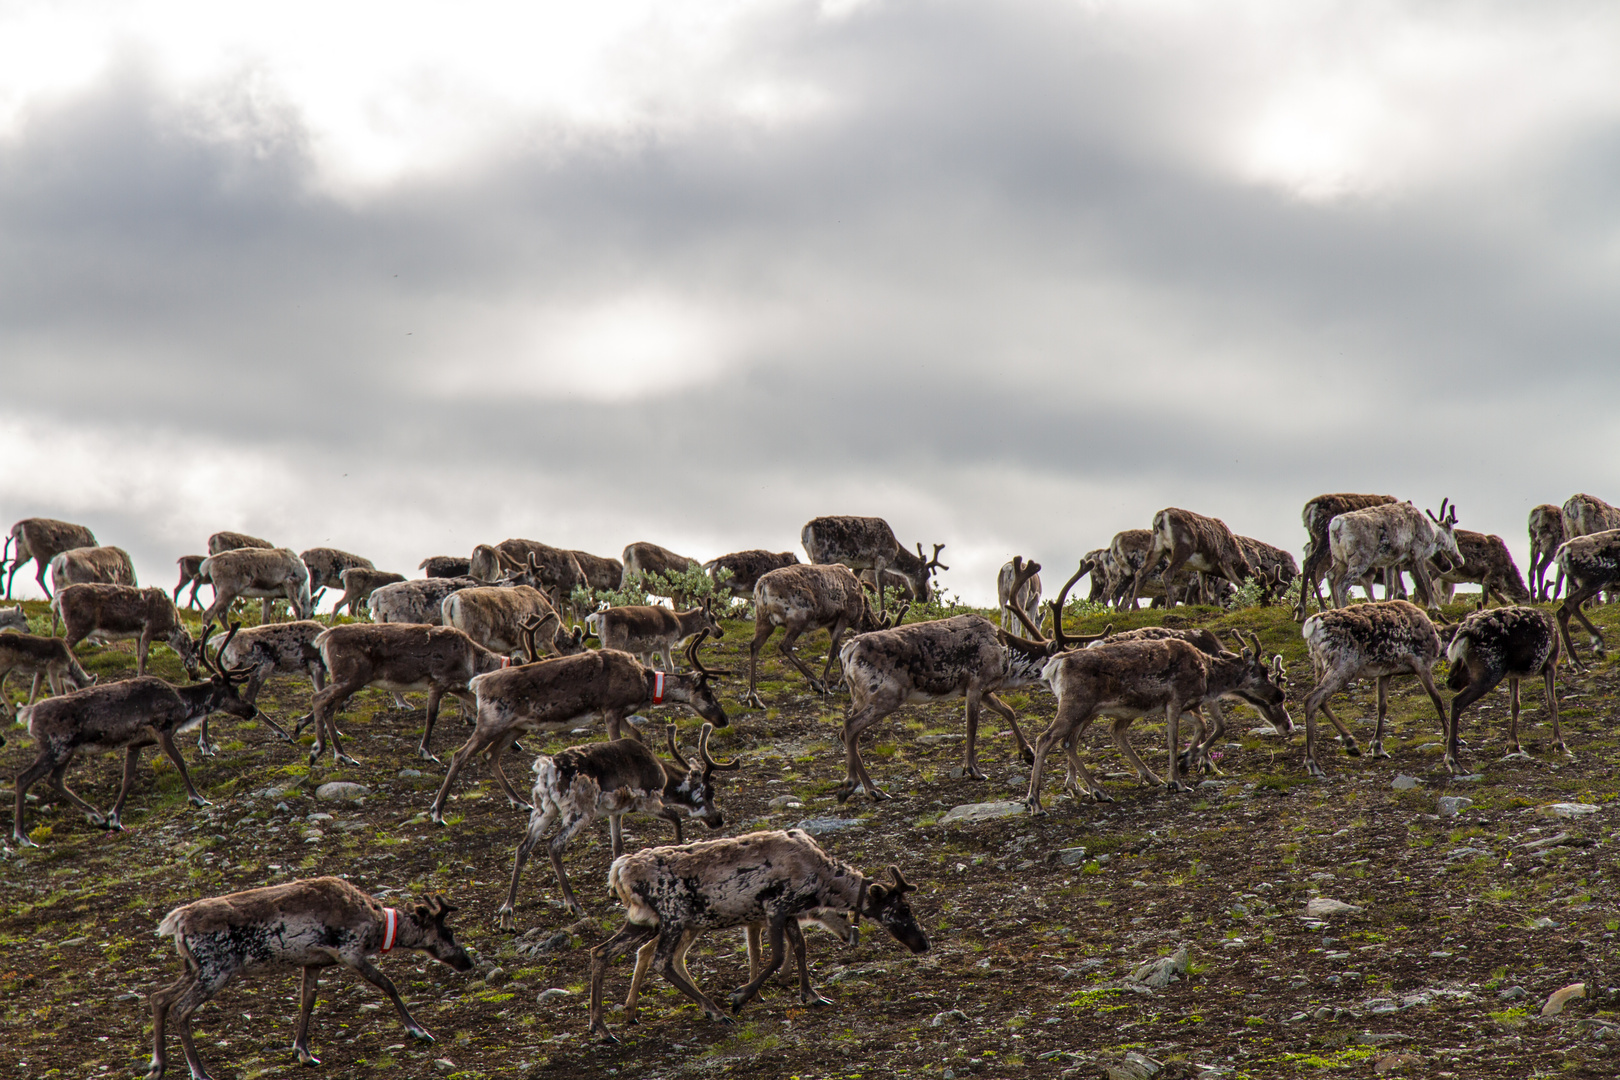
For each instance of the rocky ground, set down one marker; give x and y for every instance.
(1266, 925)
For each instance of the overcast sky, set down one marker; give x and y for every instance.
(405, 278)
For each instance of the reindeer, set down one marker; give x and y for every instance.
(1275, 569)
(746, 568)
(1099, 564)
(40, 657)
(862, 543)
(601, 573)
(420, 601)
(1131, 679)
(307, 924)
(132, 714)
(13, 618)
(1390, 537)
(234, 541)
(804, 598)
(87, 565)
(1588, 564)
(893, 582)
(675, 894)
(558, 571)
(1123, 570)
(1028, 598)
(1584, 515)
(1546, 533)
(263, 650)
(110, 612)
(1379, 639)
(613, 778)
(1202, 544)
(1317, 516)
(495, 615)
(42, 539)
(445, 566)
(648, 631)
(190, 574)
(555, 695)
(1510, 643)
(358, 585)
(1486, 562)
(265, 573)
(326, 566)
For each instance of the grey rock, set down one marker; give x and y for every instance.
(985, 811)
(822, 826)
(410, 774)
(1320, 907)
(1452, 805)
(1513, 993)
(1160, 973)
(953, 1014)
(784, 802)
(1569, 809)
(1543, 923)
(1405, 783)
(444, 1065)
(551, 995)
(1072, 856)
(1132, 1066)
(341, 791)
(495, 976)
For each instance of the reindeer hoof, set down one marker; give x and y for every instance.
(842, 794)
(607, 1037)
(754, 701)
(344, 759)
(1176, 787)
(815, 1000)
(422, 1035)
(1314, 769)
(305, 1057)
(206, 749)
(113, 823)
(199, 802)
(22, 841)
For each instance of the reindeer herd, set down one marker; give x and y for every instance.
(502, 632)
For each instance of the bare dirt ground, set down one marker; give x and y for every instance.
(1464, 925)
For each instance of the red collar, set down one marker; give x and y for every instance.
(506, 661)
(658, 688)
(390, 928)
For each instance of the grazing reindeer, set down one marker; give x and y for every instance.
(358, 585)
(1584, 515)
(648, 632)
(1123, 569)
(1546, 533)
(1274, 568)
(1201, 544)
(266, 573)
(420, 601)
(1486, 562)
(1390, 538)
(397, 657)
(613, 778)
(1138, 678)
(445, 566)
(557, 694)
(747, 567)
(1589, 565)
(42, 539)
(262, 650)
(326, 566)
(190, 574)
(92, 565)
(862, 543)
(234, 541)
(804, 598)
(1509, 643)
(963, 656)
(643, 558)
(1379, 639)
(674, 894)
(1027, 598)
(494, 615)
(558, 571)
(40, 657)
(1099, 564)
(110, 612)
(13, 618)
(309, 924)
(132, 714)
(601, 573)
(1317, 516)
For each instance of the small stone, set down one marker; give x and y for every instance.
(822, 826)
(127, 997)
(409, 774)
(1072, 856)
(444, 1065)
(1452, 805)
(785, 802)
(551, 995)
(951, 1014)
(1391, 1062)
(341, 791)
(1471, 778)
(1543, 923)
(495, 976)
(74, 942)
(1513, 993)
(1568, 809)
(1320, 907)
(1160, 973)
(1405, 783)
(1296, 1018)
(1560, 998)
(1132, 1066)
(986, 811)
(556, 942)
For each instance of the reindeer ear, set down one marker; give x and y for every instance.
(875, 895)
(423, 913)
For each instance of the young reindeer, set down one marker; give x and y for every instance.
(1509, 643)
(190, 574)
(613, 778)
(358, 585)
(131, 714)
(863, 543)
(1546, 533)
(1486, 562)
(1027, 596)
(40, 657)
(110, 612)
(804, 598)
(555, 695)
(309, 925)
(648, 631)
(674, 894)
(1589, 565)
(1379, 639)
(445, 566)
(1202, 544)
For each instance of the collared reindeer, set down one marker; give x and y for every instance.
(1317, 517)
(420, 601)
(358, 585)
(747, 567)
(1486, 562)
(225, 540)
(92, 565)
(963, 656)
(47, 658)
(648, 631)
(802, 598)
(42, 539)
(1378, 639)
(1589, 565)
(557, 694)
(326, 566)
(1546, 533)
(1391, 537)
(1027, 598)
(190, 574)
(1509, 643)
(264, 573)
(445, 566)
(863, 543)
(1201, 544)
(130, 714)
(675, 894)
(574, 788)
(112, 612)
(308, 925)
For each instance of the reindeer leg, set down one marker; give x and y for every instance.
(306, 993)
(375, 977)
(837, 633)
(1513, 723)
(631, 936)
(744, 994)
(193, 999)
(1549, 678)
(644, 959)
(1006, 712)
(1172, 735)
(1597, 635)
(1144, 774)
(970, 755)
(166, 741)
(807, 991)
(162, 1001)
(480, 739)
(513, 796)
(856, 778)
(539, 822)
(58, 781)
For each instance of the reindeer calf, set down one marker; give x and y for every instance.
(1509, 643)
(648, 631)
(39, 657)
(358, 585)
(309, 925)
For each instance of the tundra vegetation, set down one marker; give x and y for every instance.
(1036, 924)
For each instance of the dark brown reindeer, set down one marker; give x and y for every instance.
(574, 788)
(112, 612)
(557, 694)
(445, 566)
(747, 567)
(41, 658)
(1274, 568)
(648, 631)
(1589, 565)
(1486, 562)
(1583, 515)
(308, 925)
(42, 539)
(1546, 533)
(326, 566)
(190, 574)
(802, 598)
(1317, 516)
(1201, 544)
(1509, 643)
(558, 571)
(601, 573)
(130, 714)
(863, 543)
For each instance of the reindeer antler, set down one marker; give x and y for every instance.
(932, 563)
(901, 885)
(1022, 572)
(709, 764)
(675, 750)
(692, 657)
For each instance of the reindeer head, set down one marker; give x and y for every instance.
(434, 937)
(1264, 684)
(222, 682)
(711, 622)
(1446, 533)
(693, 690)
(693, 793)
(886, 904)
